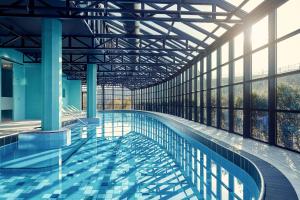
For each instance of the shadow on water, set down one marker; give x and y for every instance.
(128, 167)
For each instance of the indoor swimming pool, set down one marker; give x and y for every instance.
(128, 155)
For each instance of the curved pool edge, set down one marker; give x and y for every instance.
(65, 155)
(273, 184)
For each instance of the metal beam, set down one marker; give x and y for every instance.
(83, 13)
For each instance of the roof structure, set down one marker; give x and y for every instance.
(135, 43)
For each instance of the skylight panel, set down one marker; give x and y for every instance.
(163, 29)
(251, 5)
(190, 57)
(110, 4)
(180, 53)
(151, 31)
(235, 3)
(209, 40)
(161, 5)
(195, 53)
(207, 8)
(220, 31)
(172, 8)
(175, 43)
(207, 26)
(189, 30)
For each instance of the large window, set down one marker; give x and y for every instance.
(115, 98)
(288, 77)
(243, 85)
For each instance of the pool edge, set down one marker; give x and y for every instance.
(272, 189)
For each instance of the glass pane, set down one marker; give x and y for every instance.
(259, 96)
(239, 70)
(214, 78)
(260, 64)
(224, 97)
(238, 121)
(204, 65)
(288, 134)
(288, 58)
(238, 96)
(286, 21)
(239, 45)
(260, 33)
(214, 98)
(259, 121)
(288, 92)
(204, 82)
(198, 68)
(225, 119)
(214, 117)
(225, 75)
(214, 60)
(225, 53)
(198, 83)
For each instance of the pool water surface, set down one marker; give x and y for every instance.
(130, 155)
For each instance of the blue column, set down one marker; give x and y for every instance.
(51, 74)
(91, 90)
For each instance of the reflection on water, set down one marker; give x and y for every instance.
(114, 124)
(130, 156)
(83, 132)
(69, 137)
(212, 176)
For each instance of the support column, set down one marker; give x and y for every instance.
(51, 74)
(91, 90)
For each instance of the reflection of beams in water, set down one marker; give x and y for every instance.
(144, 142)
(99, 154)
(159, 174)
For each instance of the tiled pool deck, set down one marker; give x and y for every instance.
(285, 161)
(13, 127)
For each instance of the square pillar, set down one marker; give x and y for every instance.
(51, 74)
(91, 90)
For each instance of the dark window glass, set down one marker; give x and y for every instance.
(259, 122)
(224, 119)
(288, 92)
(259, 95)
(238, 96)
(288, 130)
(238, 121)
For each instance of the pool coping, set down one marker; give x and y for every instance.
(13, 137)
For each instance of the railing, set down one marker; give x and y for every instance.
(74, 113)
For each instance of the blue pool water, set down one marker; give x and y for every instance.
(127, 155)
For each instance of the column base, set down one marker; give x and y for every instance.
(44, 140)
